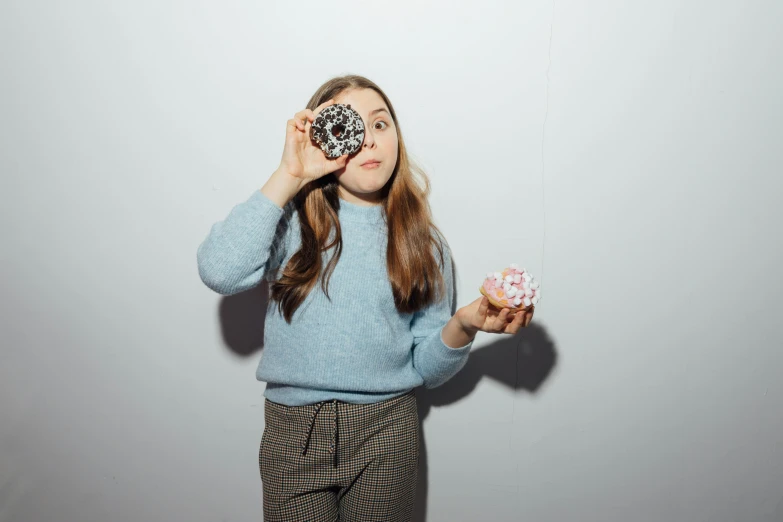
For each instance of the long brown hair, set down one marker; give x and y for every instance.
(414, 274)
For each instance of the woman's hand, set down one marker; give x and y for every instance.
(480, 316)
(301, 158)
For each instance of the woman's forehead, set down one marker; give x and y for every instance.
(364, 101)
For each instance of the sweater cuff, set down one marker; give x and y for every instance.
(454, 352)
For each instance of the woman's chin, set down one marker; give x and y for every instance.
(367, 186)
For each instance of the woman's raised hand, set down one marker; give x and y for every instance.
(302, 159)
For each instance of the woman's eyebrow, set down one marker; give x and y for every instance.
(379, 110)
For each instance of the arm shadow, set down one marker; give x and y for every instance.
(242, 318)
(522, 362)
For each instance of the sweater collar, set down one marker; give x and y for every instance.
(371, 214)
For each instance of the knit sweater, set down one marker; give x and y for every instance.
(353, 346)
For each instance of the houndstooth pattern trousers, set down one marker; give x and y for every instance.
(334, 461)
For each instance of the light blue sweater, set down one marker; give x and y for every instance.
(355, 348)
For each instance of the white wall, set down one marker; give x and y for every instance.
(627, 152)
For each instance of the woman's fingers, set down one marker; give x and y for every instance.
(293, 127)
(483, 306)
(324, 104)
(304, 118)
(519, 321)
(500, 320)
(504, 321)
(308, 116)
(301, 118)
(338, 162)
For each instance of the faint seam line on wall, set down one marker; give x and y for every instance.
(543, 136)
(543, 243)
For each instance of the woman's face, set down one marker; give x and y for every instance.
(367, 171)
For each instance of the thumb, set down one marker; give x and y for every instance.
(483, 306)
(337, 163)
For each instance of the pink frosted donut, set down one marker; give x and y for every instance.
(513, 288)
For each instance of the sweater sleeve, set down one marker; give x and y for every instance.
(239, 251)
(435, 361)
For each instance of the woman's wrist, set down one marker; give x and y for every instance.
(281, 187)
(465, 322)
(456, 334)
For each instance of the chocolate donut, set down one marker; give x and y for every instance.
(338, 129)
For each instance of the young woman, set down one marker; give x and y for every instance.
(361, 313)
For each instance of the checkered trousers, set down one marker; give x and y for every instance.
(340, 461)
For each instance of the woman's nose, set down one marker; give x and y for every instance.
(369, 139)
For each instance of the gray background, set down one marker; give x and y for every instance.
(627, 153)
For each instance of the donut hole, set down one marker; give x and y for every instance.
(338, 130)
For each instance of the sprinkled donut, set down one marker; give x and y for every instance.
(338, 129)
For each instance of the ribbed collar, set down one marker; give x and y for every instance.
(372, 214)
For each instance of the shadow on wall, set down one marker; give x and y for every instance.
(242, 320)
(521, 362)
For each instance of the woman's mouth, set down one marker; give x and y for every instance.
(371, 164)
